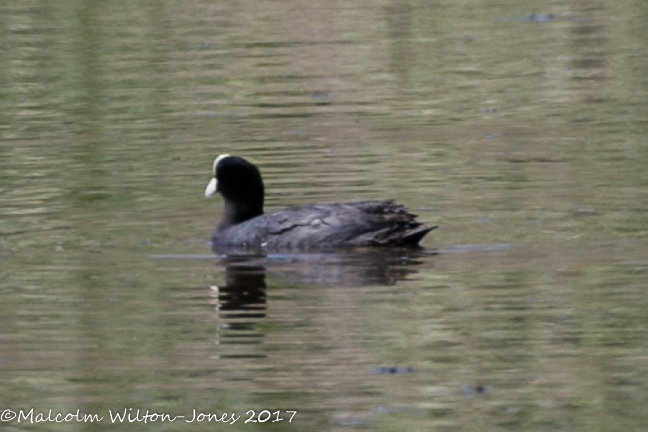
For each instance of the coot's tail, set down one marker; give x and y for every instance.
(409, 238)
(414, 237)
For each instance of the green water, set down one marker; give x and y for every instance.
(524, 137)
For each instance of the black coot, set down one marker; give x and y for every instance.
(307, 227)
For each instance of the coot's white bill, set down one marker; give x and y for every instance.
(211, 188)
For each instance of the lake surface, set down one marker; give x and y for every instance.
(522, 132)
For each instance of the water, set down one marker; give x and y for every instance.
(520, 132)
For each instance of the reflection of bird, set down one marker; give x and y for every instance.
(314, 226)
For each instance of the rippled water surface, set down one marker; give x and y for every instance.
(521, 132)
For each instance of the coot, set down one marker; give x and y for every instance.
(307, 227)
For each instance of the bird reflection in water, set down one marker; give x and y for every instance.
(241, 301)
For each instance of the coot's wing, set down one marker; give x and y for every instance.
(366, 223)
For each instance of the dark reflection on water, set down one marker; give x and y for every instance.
(241, 302)
(244, 293)
(345, 268)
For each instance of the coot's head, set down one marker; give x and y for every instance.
(239, 183)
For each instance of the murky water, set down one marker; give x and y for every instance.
(520, 132)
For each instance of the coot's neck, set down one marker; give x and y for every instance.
(238, 212)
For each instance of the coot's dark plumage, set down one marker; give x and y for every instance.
(314, 226)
